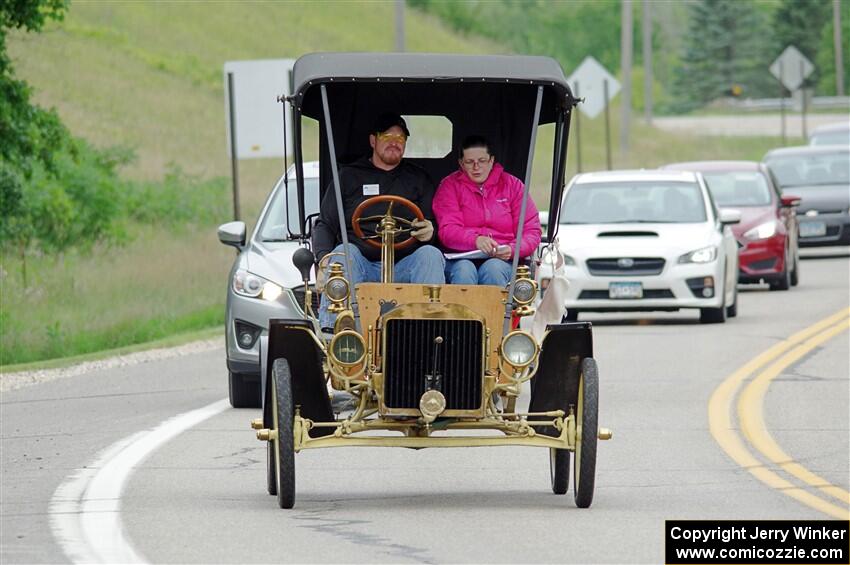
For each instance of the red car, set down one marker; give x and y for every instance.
(768, 232)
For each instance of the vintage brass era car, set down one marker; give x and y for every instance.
(419, 362)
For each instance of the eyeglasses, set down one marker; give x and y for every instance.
(397, 137)
(481, 162)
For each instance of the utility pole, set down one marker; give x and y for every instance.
(836, 37)
(399, 26)
(626, 71)
(647, 61)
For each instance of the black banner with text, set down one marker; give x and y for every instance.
(804, 542)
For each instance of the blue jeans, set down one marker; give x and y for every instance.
(426, 265)
(492, 271)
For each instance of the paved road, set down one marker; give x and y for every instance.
(201, 496)
(749, 125)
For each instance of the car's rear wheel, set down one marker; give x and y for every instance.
(244, 390)
(783, 282)
(587, 429)
(283, 442)
(559, 470)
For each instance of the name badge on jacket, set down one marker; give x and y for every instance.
(371, 189)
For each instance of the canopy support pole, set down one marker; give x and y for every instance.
(339, 209)
(509, 305)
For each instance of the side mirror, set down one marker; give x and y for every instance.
(232, 233)
(790, 201)
(729, 217)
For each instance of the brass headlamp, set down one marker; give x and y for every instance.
(525, 290)
(337, 289)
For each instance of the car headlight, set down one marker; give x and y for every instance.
(337, 289)
(704, 255)
(347, 348)
(762, 231)
(519, 349)
(524, 291)
(568, 260)
(253, 286)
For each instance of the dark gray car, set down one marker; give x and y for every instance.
(820, 175)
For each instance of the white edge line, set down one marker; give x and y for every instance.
(85, 510)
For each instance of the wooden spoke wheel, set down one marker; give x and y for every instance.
(587, 429)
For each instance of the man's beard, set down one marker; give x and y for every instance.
(390, 157)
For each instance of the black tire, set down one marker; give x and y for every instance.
(712, 315)
(570, 316)
(732, 310)
(559, 470)
(271, 469)
(283, 446)
(795, 272)
(784, 280)
(244, 390)
(587, 429)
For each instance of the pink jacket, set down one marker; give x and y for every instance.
(463, 212)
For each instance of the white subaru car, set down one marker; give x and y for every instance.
(263, 282)
(647, 240)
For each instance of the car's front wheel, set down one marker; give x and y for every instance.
(795, 272)
(732, 309)
(783, 282)
(244, 390)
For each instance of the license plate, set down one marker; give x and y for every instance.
(627, 290)
(812, 229)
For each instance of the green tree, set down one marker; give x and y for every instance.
(825, 61)
(725, 47)
(800, 23)
(29, 136)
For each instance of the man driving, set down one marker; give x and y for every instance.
(384, 172)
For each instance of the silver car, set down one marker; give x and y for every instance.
(263, 282)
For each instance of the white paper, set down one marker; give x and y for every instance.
(476, 254)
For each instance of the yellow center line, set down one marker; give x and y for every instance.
(723, 430)
(751, 414)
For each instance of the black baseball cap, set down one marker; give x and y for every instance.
(387, 120)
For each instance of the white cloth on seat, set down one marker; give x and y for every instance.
(551, 310)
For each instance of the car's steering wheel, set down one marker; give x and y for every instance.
(358, 217)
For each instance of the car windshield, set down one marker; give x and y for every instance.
(634, 201)
(812, 169)
(283, 210)
(738, 188)
(831, 138)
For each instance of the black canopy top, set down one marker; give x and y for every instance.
(318, 68)
(489, 95)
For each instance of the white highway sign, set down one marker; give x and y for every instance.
(791, 68)
(257, 113)
(587, 82)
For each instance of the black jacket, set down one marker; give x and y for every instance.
(407, 180)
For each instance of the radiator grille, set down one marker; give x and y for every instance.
(409, 356)
(298, 293)
(648, 293)
(625, 266)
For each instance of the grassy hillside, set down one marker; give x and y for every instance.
(148, 75)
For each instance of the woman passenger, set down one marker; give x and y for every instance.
(477, 208)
